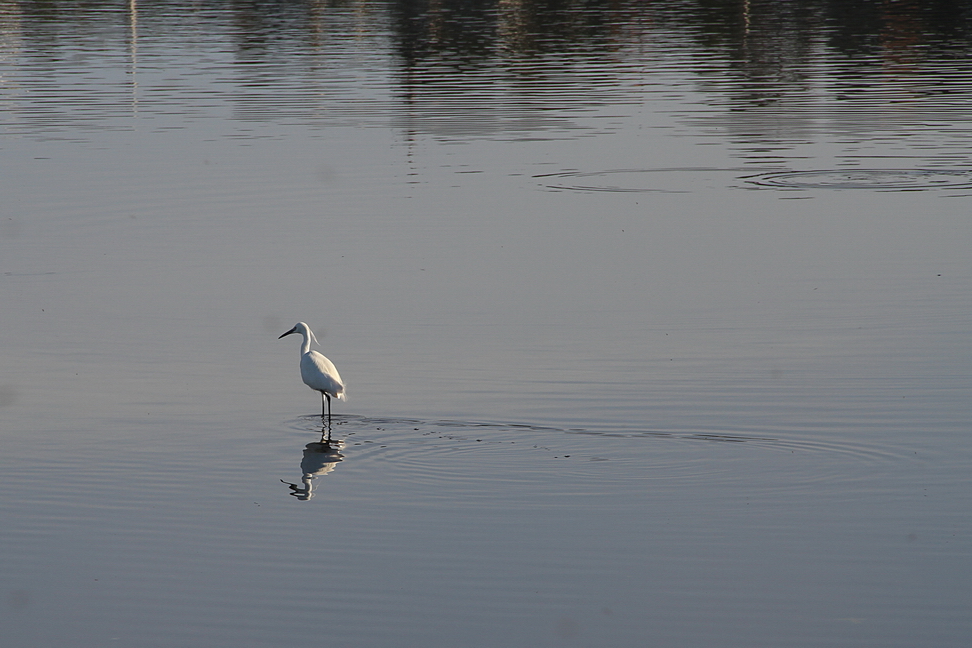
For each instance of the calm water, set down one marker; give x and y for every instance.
(655, 319)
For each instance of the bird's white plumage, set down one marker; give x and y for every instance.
(317, 371)
(320, 373)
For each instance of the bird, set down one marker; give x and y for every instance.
(318, 372)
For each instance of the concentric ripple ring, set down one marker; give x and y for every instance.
(874, 179)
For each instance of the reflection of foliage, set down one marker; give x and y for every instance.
(472, 31)
(764, 48)
(468, 32)
(767, 29)
(485, 66)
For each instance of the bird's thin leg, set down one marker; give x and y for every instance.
(328, 397)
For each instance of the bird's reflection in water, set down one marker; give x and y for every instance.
(320, 458)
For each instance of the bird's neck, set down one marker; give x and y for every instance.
(305, 347)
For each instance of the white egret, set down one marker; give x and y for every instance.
(318, 372)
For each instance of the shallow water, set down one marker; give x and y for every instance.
(654, 319)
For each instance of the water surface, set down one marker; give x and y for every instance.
(654, 319)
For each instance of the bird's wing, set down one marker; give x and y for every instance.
(320, 373)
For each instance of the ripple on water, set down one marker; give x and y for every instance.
(687, 180)
(484, 457)
(673, 180)
(873, 179)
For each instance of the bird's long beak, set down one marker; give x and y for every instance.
(293, 330)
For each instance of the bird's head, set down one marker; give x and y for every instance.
(304, 330)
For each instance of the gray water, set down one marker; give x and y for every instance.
(655, 321)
